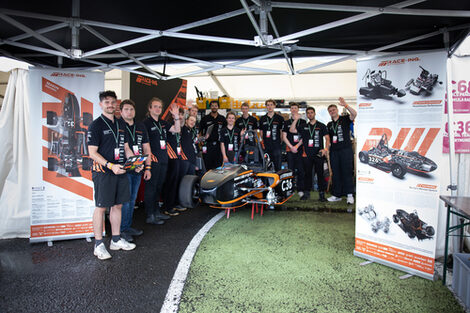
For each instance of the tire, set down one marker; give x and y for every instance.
(395, 219)
(398, 171)
(51, 118)
(364, 157)
(411, 235)
(188, 193)
(87, 119)
(430, 231)
(52, 164)
(87, 163)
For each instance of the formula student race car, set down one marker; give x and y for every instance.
(399, 162)
(251, 180)
(369, 214)
(412, 225)
(378, 86)
(425, 82)
(68, 150)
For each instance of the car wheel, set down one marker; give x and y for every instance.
(395, 219)
(411, 235)
(430, 231)
(364, 157)
(52, 164)
(51, 118)
(188, 193)
(398, 171)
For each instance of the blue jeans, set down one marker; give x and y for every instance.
(128, 207)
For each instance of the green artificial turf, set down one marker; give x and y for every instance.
(299, 261)
(315, 204)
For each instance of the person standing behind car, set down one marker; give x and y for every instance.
(291, 137)
(230, 139)
(270, 126)
(213, 123)
(341, 153)
(189, 145)
(108, 147)
(313, 153)
(139, 144)
(247, 122)
(157, 130)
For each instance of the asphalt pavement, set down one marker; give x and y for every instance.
(67, 277)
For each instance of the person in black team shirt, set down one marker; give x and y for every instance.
(139, 144)
(270, 126)
(314, 152)
(189, 139)
(341, 154)
(108, 147)
(293, 141)
(157, 130)
(230, 139)
(246, 122)
(210, 128)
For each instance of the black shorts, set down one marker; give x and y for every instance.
(110, 189)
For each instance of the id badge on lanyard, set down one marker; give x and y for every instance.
(204, 149)
(268, 134)
(335, 139)
(162, 144)
(116, 154)
(310, 143)
(178, 150)
(296, 138)
(230, 147)
(135, 149)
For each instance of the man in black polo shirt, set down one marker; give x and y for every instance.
(139, 144)
(270, 126)
(210, 128)
(154, 175)
(291, 137)
(341, 153)
(314, 153)
(108, 147)
(189, 137)
(246, 122)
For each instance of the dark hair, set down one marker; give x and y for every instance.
(108, 93)
(231, 113)
(245, 104)
(214, 101)
(332, 106)
(270, 100)
(181, 111)
(294, 104)
(126, 101)
(310, 108)
(149, 105)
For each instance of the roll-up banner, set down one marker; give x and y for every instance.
(461, 99)
(62, 104)
(399, 150)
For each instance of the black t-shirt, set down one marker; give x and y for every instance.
(312, 137)
(174, 146)
(231, 140)
(339, 132)
(250, 123)
(110, 137)
(219, 122)
(188, 144)
(292, 137)
(271, 128)
(137, 135)
(157, 132)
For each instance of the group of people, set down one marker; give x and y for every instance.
(173, 145)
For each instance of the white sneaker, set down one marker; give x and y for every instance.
(300, 193)
(101, 252)
(333, 199)
(350, 199)
(121, 244)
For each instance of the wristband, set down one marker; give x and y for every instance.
(106, 164)
(110, 165)
(148, 167)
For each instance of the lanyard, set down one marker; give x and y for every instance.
(335, 126)
(270, 121)
(230, 137)
(194, 131)
(115, 134)
(310, 130)
(177, 139)
(245, 124)
(132, 133)
(159, 127)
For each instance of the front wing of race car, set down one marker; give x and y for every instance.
(236, 185)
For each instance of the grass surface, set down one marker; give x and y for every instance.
(297, 261)
(314, 204)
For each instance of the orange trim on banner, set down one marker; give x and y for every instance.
(50, 230)
(67, 184)
(401, 138)
(415, 137)
(54, 89)
(394, 255)
(428, 140)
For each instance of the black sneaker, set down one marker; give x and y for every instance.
(127, 237)
(162, 216)
(171, 212)
(322, 197)
(134, 232)
(305, 197)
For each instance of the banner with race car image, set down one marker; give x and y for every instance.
(461, 99)
(399, 139)
(63, 103)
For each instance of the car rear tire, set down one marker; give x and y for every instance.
(398, 171)
(395, 219)
(364, 157)
(188, 193)
(52, 164)
(430, 231)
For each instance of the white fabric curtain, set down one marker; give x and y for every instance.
(15, 189)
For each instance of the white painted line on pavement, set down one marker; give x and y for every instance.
(173, 296)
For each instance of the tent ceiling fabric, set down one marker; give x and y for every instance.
(109, 34)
